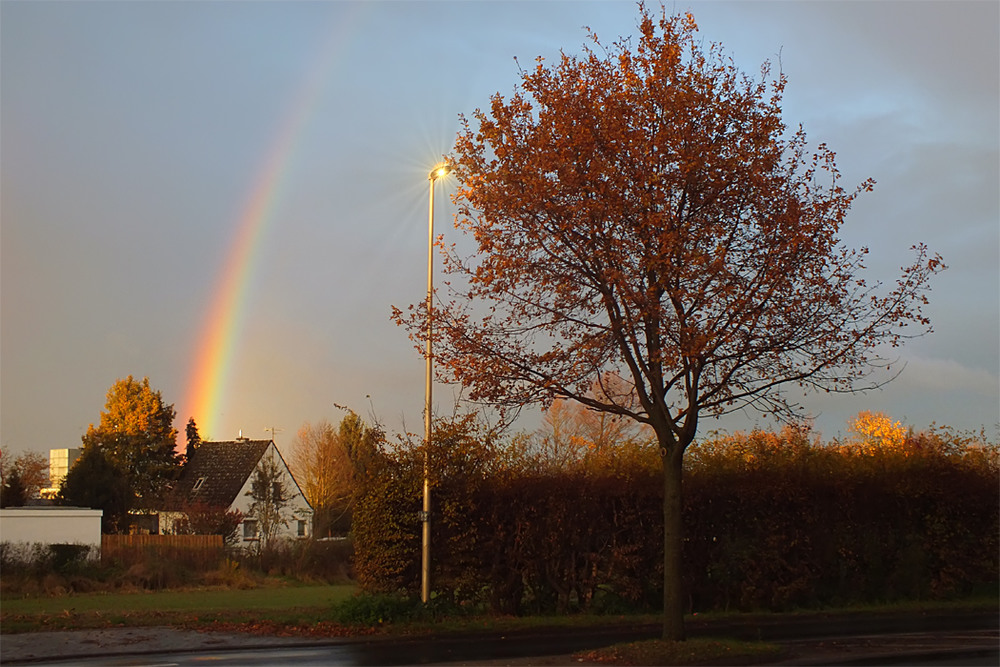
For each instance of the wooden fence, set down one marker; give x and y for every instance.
(196, 551)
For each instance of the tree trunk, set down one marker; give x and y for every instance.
(673, 606)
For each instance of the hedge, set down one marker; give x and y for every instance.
(772, 521)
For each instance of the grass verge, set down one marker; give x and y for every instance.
(694, 651)
(289, 605)
(282, 609)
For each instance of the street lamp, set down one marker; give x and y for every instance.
(439, 171)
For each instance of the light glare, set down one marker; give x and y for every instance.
(440, 171)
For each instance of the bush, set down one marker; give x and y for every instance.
(232, 575)
(33, 569)
(37, 558)
(67, 557)
(327, 561)
(157, 574)
(370, 610)
(772, 521)
(197, 553)
(378, 609)
(20, 557)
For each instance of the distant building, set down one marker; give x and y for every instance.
(60, 461)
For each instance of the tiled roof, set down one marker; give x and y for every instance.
(223, 466)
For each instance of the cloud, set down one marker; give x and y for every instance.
(949, 375)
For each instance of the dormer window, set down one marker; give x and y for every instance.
(198, 483)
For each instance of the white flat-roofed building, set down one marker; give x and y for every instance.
(51, 524)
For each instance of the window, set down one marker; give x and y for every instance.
(302, 528)
(198, 483)
(250, 529)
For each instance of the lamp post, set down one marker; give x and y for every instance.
(439, 171)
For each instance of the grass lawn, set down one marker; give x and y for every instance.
(279, 605)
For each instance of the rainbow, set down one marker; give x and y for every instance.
(218, 340)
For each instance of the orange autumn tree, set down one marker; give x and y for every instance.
(642, 212)
(876, 432)
(571, 434)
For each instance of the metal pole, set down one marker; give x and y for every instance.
(425, 560)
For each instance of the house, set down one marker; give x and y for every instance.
(220, 474)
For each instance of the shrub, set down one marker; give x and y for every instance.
(377, 609)
(772, 521)
(328, 561)
(200, 518)
(69, 556)
(231, 574)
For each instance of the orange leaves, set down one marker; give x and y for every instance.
(641, 210)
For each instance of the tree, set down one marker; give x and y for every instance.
(361, 443)
(137, 437)
(203, 519)
(32, 470)
(330, 465)
(571, 432)
(317, 464)
(95, 482)
(13, 492)
(193, 439)
(270, 495)
(875, 431)
(643, 212)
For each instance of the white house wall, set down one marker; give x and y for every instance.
(296, 509)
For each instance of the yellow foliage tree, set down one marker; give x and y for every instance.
(328, 463)
(137, 436)
(875, 432)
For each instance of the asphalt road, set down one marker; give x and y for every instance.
(862, 639)
(933, 649)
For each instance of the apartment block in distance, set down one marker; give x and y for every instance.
(60, 461)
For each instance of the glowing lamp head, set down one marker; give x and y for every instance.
(440, 171)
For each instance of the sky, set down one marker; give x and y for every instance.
(228, 197)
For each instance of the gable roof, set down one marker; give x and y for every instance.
(221, 468)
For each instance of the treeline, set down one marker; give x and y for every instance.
(772, 520)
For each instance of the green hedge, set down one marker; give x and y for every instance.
(772, 521)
